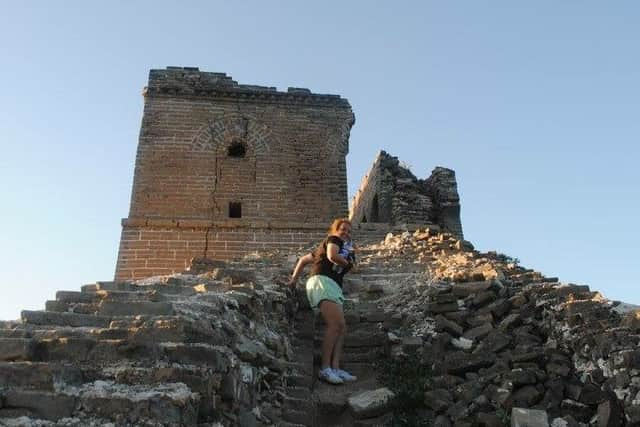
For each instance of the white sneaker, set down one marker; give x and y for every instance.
(327, 375)
(344, 375)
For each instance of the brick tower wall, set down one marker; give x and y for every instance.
(224, 169)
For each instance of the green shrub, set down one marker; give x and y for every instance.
(408, 377)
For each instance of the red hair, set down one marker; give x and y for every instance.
(335, 225)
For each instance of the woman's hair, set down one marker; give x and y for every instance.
(335, 225)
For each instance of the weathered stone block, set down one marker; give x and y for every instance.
(198, 354)
(459, 363)
(631, 320)
(77, 297)
(16, 349)
(442, 308)
(64, 319)
(26, 375)
(171, 404)
(50, 406)
(610, 414)
(522, 417)
(483, 298)
(437, 400)
(446, 325)
(465, 289)
(108, 308)
(76, 349)
(479, 332)
(371, 403)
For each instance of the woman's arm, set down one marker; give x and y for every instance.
(334, 256)
(302, 263)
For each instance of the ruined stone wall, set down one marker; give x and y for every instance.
(391, 193)
(374, 200)
(443, 189)
(213, 151)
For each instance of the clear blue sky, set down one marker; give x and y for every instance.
(534, 104)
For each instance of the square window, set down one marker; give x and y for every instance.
(235, 210)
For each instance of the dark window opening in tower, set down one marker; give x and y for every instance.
(237, 149)
(235, 210)
(375, 209)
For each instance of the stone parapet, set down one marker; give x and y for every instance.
(190, 81)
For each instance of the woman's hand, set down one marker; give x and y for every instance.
(302, 263)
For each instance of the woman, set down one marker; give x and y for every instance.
(324, 291)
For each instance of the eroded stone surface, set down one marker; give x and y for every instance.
(371, 403)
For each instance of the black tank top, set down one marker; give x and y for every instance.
(322, 265)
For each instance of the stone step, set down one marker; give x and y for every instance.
(148, 330)
(216, 357)
(42, 404)
(77, 350)
(199, 380)
(77, 297)
(297, 417)
(43, 332)
(97, 334)
(37, 375)
(132, 296)
(91, 350)
(302, 369)
(299, 392)
(147, 308)
(165, 404)
(302, 381)
(168, 289)
(71, 307)
(15, 349)
(292, 403)
(63, 319)
(14, 333)
(92, 287)
(303, 355)
(113, 295)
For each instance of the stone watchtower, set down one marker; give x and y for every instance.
(224, 169)
(391, 195)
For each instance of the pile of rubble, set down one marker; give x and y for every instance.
(498, 336)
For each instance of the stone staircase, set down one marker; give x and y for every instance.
(313, 403)
(160, 352)
(49, 362)
(140, 354)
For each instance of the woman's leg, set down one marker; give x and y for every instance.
(337, 349)
(334, 318)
